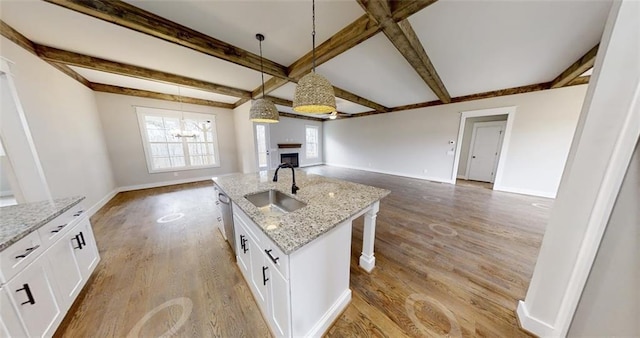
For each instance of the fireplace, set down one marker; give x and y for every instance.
(291, 158)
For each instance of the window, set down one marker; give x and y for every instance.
(178, 141)
(311, 133)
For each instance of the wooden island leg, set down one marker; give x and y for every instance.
(367, 259)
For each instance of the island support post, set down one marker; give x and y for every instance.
(367, 259)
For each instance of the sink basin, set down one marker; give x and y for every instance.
(273, 202)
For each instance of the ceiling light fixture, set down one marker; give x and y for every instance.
(314, 93)
(263, 110)
(333, 115)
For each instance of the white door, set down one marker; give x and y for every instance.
(485, 149)
(278, 288)
(262, 145)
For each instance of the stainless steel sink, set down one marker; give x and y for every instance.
(273, 202)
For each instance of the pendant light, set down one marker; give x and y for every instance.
(263, 110)
(314, 93)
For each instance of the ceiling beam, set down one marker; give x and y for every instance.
(302, 117)
(22, 41)
(486, 95)
(99, 87)
(406, 41)
(139, 20)
(577, 68)
(85, 61)
(343, 94)
(402, 9)
(347, 38)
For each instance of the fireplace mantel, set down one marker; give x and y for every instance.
(289, 145)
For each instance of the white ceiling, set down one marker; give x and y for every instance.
(286, 25)
(480, 46)
(476, 46)
(377, 71)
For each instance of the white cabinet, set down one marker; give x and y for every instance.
(10, 325)
(62, 257)
(33, 295)
(268, 285)
(300, 294)
(279, 306)
(45, 272)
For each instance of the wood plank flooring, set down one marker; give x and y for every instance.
(450, 260)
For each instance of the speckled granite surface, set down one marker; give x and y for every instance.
(17, 221)
(329, 202)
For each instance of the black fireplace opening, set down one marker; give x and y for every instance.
(291, 158)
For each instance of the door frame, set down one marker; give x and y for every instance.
(477, 125)
(510, 111)
(267, 136)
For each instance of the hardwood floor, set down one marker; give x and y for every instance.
(450, 260)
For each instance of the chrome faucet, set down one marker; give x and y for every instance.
(294, 187)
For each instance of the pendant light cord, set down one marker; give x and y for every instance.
(261, 69)
(313, 33)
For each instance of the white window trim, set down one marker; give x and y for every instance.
(306, 155)
(143, 111)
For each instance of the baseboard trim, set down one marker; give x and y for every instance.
(101, 203)
(312, 164)
(525, 191)
(331, 315)
(532, 324)
(164, 183)
(394, 173)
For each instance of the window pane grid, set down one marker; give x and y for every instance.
(311, 143)
(177, 142)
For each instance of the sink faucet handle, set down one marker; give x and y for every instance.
(294, 189)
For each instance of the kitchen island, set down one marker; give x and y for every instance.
(297, 263)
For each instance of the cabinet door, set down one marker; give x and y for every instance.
(64, 267)
(87, 256)
(279, 304)
(242, 251)
(32, 292)
(259, 273)
(10, 325)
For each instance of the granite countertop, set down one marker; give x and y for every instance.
(329, 203)
(17, 221)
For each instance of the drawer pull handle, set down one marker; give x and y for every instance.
(58, 228)
(27, 252)
(264, 275)
(243, 243)
(219, 219)
(273, 259)
(80, 243)
(78, 213)
(25, 288)
(82, 239)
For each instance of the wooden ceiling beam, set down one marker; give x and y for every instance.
(302, 117)
(406, 41)
(99, 87)
(343, 94)
(22, 41)
(577, 68)
(90, 62)
(139, 20)
(402, 9)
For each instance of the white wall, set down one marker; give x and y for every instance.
(63, 119)
(409, 142)
(245, 139)
(605, 138)
(291, 130)
(126, 150)
(610, 303)
(466, 140)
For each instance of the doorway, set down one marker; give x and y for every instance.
(262, 146)
(482, 147)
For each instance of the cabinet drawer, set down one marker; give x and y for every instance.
(60, 225)
(18, 255)
(276, 256)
